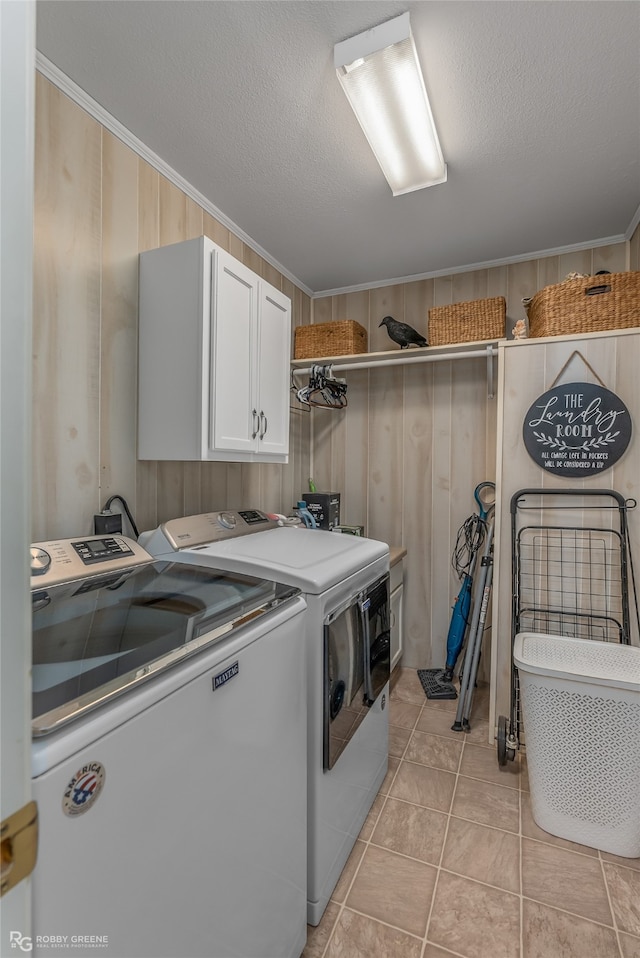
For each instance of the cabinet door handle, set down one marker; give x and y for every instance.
(256, 423)
(266, 424)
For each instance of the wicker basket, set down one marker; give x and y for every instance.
(586, 305)
(344, 338)
(468, 322)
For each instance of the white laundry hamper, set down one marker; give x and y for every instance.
(581, 710)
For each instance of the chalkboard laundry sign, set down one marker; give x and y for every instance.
(577, 429)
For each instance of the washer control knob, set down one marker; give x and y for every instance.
(227, 520)
(40, 561)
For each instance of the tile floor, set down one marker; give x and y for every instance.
(450, 861)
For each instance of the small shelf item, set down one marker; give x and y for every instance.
(588, 304)
(466, 322)
(341, 338)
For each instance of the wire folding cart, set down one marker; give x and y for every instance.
(569, 576)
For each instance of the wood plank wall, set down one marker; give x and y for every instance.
(415, 441)
(405, 455)
(97, 206)
(528, 370)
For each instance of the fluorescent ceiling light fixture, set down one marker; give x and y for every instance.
(380, 74)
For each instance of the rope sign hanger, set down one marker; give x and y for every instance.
(577, 352)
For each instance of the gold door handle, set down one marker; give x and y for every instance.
(19, 834)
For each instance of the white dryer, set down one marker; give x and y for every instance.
(345, 582)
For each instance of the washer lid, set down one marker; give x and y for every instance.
(98, 637)
(312, 560)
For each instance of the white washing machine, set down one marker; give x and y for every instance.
(169, 757)
(345, 582)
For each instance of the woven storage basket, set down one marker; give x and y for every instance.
(586, 305)
(468, 322)
(344, 338)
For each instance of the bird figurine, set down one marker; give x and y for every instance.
(402, 333)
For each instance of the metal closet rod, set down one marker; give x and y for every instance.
(423, 357)
(489, 352)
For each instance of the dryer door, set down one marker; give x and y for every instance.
(344, 706)
(376, 627)
(356, 665)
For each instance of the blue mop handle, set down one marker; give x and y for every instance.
(484, 494)
(458, 624)
(485, 504)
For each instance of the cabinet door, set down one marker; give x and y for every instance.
(274, 326)
(234, 307)
(396, 625)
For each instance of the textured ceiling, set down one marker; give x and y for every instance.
(537, 105)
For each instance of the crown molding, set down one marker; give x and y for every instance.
(633, 225)
(488, 264)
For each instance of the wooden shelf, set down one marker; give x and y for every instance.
(401, 357)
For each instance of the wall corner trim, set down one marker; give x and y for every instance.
(633, 225)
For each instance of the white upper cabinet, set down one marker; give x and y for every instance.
(274, 347)
(214, 349)
(234, 388)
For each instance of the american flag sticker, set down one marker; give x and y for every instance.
(83, 789)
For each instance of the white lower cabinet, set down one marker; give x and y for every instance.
(396, 603)
(214, 347)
